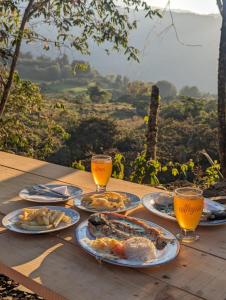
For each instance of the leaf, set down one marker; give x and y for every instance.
(175, 172)
(146, 119)
(164, 169)
(184, 168)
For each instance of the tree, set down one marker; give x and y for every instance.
(51, 73)
(190, 91)
(167, 89)
(152, 130)
(222, 88)
(81, 67)
(28, 126)
(63, 60)
(125, 82)
(91, 135)
(139, 88)
(98, 95)
(118, 81)
(102, 21)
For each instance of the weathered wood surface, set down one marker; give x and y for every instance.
(55, 266)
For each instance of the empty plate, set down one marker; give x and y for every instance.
(50, 193)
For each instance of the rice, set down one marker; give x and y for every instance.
(139, 248)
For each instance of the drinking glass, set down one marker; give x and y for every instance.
(101, 167)
(188, 207)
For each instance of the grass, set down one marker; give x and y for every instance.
(75, 90)
(64, 87)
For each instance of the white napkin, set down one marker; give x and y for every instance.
(210, 206)
(63, 189)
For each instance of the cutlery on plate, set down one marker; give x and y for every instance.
(42, 187)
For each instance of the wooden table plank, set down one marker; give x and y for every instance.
(70, 272)
(29, 284)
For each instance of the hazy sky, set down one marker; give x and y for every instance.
(198, 6)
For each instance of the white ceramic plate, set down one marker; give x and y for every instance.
(149, 201)
(134, 202)
(10, 219)
(34, 196)
(163, 256)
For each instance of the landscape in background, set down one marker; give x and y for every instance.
(100, 103)
(162, 56)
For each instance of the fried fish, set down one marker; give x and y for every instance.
(121, 227)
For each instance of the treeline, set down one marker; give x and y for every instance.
(50, 72)
(69, 133)
(187, 125)
(43, 68)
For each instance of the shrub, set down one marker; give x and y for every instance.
(27, 127)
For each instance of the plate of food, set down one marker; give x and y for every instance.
(126, 241)
(40, 219)
(106, 201)
(49, 193)
(161, 204)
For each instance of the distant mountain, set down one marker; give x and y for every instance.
(162, 55)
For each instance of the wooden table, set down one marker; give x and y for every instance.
(55, 267)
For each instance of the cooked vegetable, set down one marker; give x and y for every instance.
(41, 219)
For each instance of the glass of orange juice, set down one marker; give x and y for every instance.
(101, 168)
(188, 207)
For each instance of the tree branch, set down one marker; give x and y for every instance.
(2, 81)
(220, 6)
(37, 6)
(176, 33)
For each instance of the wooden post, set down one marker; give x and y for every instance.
(152, 130)
(222, 91)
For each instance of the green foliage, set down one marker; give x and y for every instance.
(212, 174)
(144, 171)
(146, 119)
(190, 91)
(152, 172)
(91, 135)
(139, 88)
(97, 95)
(167, 89)
(80, 67)
(113, 24)
(118, 166)
(27, 126)
(187, 126)
(78, 165)
(43, 68)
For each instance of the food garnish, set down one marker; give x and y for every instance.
(108, 246)
(105, 201)
(41, 219)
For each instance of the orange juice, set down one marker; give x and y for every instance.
(188, 211)
(101, 171)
